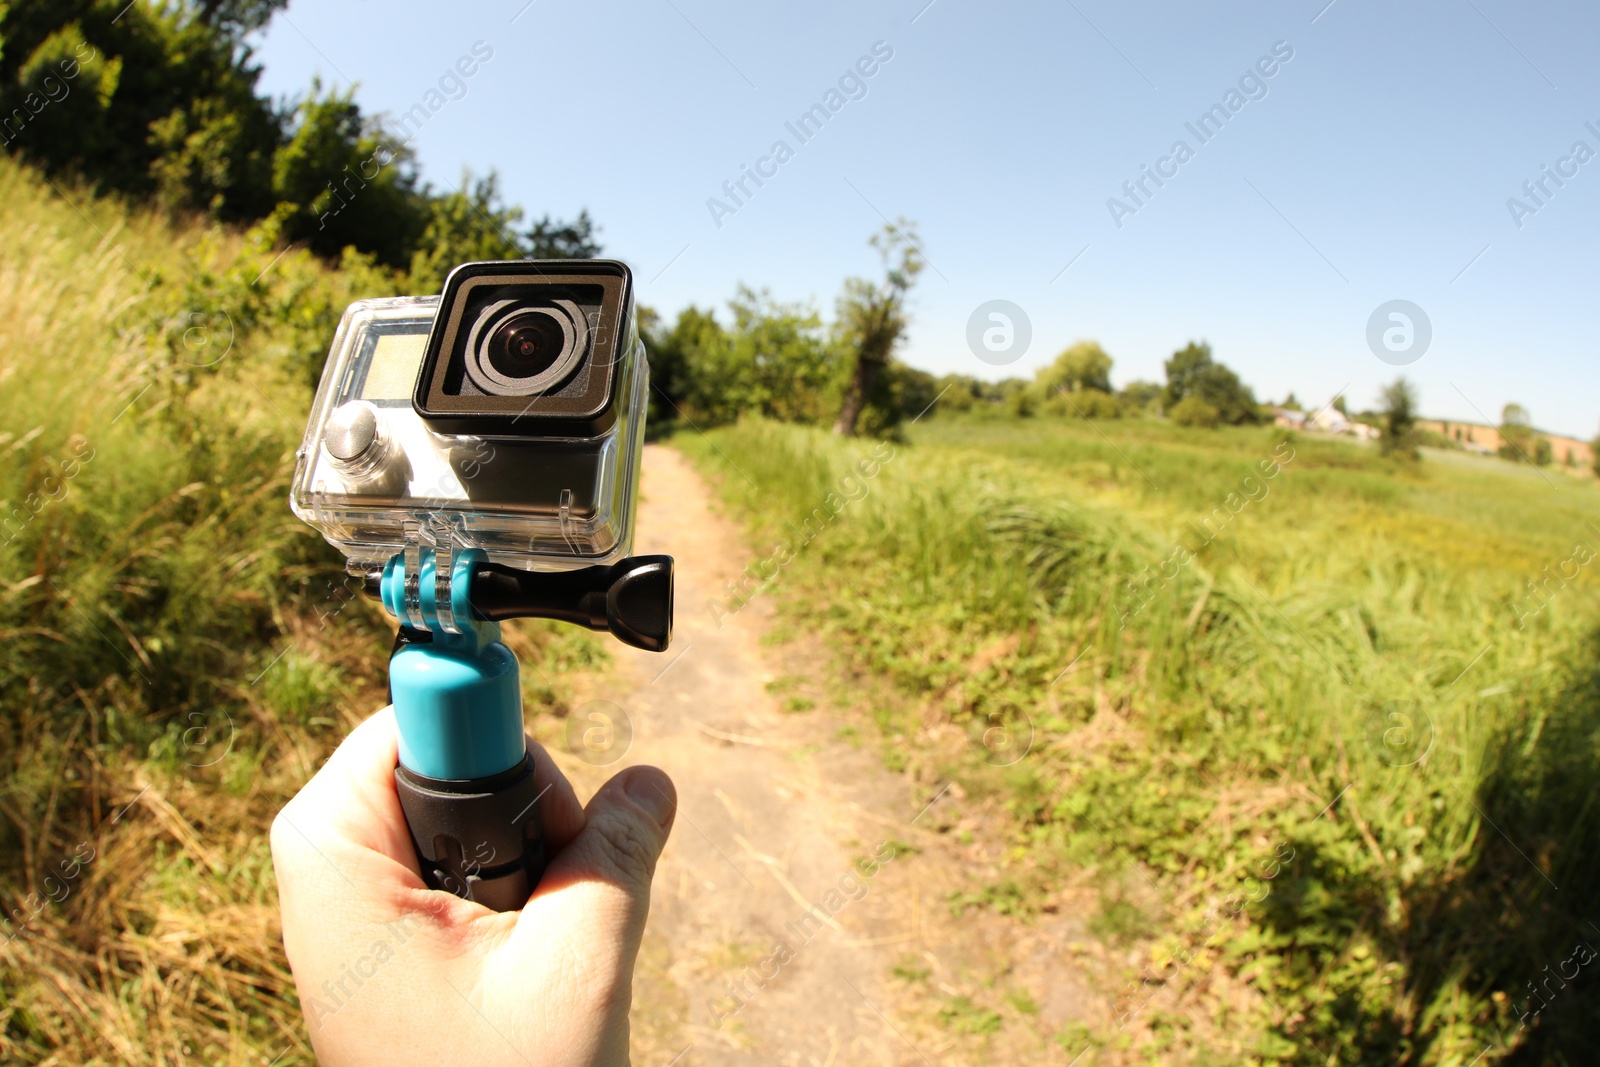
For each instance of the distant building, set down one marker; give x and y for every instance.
(1568, 452)
(1330, 420)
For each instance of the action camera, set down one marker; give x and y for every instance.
(475, 456)
(506, 414)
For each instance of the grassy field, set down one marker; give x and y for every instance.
(1296, 704)
(177, 652)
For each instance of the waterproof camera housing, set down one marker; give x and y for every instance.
(506, 415)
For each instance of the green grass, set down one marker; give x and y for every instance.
(1332, 695)
(962, 1016)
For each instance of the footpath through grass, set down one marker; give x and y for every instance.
(1308, 693)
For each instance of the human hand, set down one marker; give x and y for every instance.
(392, 972)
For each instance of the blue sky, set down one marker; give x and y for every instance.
(1376, 166)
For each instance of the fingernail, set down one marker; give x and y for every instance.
(653, 791)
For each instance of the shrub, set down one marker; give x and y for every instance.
(1192, 411)
(1140, 396)
(1085, 404)
(1021, 403)
(1397, 434)
(1193, 372)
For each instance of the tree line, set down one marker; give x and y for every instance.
(160, 103)
(1199, 391)
(781, 361)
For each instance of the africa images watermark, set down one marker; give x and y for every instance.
(852, 888)
(353, 976)
(52, 489)
(1146, 586)
(1540, 592)
(54, 87)
(1252, 85)
(451, 86)
(1539, 191)
(1582, 955)
(852, 85)
(67, 872)
(758, 575)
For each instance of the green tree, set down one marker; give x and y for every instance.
(463, 225)
(209, 159)
(872, 318)
(1193, 372)
(958, 392)
(1084, 365)
(339, 181)
(775, 359)
(474, 223)
(780, 361)
(555, 239)
(1139, 396)
(673, 355)
(1594, 455)
(239, 17)
(1397, 435)
(900, 391)
(148, 99)
(1520, 442)
(159, 101)
(1086, 404)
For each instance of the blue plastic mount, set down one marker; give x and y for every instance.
(457, 695)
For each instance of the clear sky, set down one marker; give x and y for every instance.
(1374, 164)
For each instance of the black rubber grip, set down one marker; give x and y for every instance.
(480, 839)
(632, 599)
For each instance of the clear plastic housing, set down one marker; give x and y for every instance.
(372, 477)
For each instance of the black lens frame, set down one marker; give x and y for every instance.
(585, 404)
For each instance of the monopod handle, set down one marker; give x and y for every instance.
(467, 785)
(480, 839)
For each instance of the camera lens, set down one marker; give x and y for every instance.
(518, 350)
(526, 345)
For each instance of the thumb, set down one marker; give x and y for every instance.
(610, 862)
(625, 828)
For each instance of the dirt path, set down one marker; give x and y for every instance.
(762, 824)
(778, 918)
